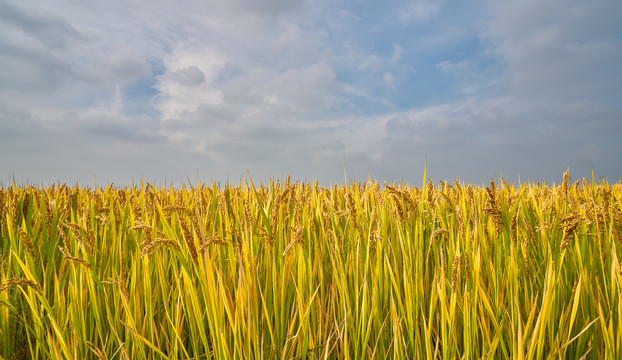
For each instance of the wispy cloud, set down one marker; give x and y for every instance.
(419, 10)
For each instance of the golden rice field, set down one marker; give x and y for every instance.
(292, 270)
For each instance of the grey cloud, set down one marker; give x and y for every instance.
(399, 124)
(190, 76)
(30, 69)
(123, 129)
(434, 131)
(128, 67)
(268, 7)
(536, 145)
(554, 50)
(48, 64)
(83, 148)
(15, 122)
(52, 32)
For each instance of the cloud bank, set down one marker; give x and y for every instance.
(121, 91)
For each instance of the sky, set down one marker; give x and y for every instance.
(100, 92)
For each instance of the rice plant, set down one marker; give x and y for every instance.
(293, 270)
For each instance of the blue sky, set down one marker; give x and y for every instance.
(117, 91)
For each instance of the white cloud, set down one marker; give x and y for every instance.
(389, 81)
(471, 78)
(454, 68)
(397, 53)
(190, 80)
(370, 62)
(260, 113)
(419, 10)
(306, 90)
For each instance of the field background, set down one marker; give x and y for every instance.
(292, 270)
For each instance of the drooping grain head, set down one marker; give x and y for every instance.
(492, 194)
(565, 186)
(530, 231)
(188, 237)
(467, 267)
(27, 243)
(524, 253)
(11, 282)
(455, 271)
(513, 232)
(443, 265)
